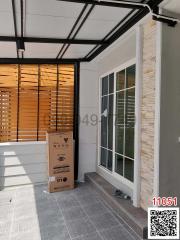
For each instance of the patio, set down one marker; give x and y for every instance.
(80, 214)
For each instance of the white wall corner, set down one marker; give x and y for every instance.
(88, 111)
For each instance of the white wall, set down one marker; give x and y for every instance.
(88, 108)
(22, 163)
(118, 54)
(169, 159)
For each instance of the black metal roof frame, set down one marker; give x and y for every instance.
(136, 14)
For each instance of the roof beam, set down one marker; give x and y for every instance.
(123, 28)
(72, 29)
(79, 28)
(22, 23)
(40, 60)
(15, 23)
(53, 40)
(125, 4)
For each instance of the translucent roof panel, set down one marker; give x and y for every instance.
(77, 51)
(50, 18)
(101, 21)
(8, 50)
(41, 50)
(6, 18)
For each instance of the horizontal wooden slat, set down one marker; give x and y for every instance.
(55, 104)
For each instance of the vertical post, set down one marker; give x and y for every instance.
(39, 75)
(138, 97)
(18, 95)
(76, 118)
(57, 96)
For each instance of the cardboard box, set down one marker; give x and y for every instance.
(61, 182)
(60, 161)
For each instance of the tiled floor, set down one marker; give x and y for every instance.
(33, 214)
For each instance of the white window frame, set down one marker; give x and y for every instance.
(112, 175)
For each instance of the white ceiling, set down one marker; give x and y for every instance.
(55, 19)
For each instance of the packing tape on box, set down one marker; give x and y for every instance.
(52, 179)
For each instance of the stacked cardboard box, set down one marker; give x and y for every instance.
(60, 161)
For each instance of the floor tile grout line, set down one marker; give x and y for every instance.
(13, 214)
(89, 219)
(124, 222)
(112, 212)
(62, 216)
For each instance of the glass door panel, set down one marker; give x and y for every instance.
(107, 102)
(104, 126)
(125, 121)
(110, 122)
(119, 124)
(130, 122)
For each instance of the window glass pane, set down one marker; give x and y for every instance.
(119, 122)
(129, 169)
(130, 74)
(104, 121)
(119, 164)
(105, 85)
(129, 123)
(104, 157)
(110, 122)
(120, 80)
(109, 163)
(111, 83)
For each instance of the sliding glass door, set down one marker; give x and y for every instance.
(107, 99)
(117, 150)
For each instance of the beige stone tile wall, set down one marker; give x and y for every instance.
(148, 113)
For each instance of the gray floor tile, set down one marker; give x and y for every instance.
(58, 232)
(49, 220)
(117, 233)
(83, 190)
(88, 199)
(63, 195)
(93, 236)
(33, 214)
(95, 209)
(67, 203)
(104, 221)
(80, 227)
(73, 213)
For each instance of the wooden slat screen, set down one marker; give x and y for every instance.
(34, 99)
